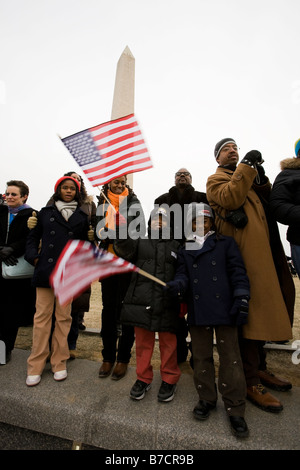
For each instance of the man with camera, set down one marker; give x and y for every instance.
(238, 193)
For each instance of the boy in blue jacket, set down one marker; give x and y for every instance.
(212, 278)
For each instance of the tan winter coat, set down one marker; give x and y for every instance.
(228, 190)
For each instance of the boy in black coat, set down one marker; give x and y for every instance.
(147, 307)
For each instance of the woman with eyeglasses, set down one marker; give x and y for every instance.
(17, 304)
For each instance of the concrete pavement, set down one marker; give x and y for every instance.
(99, 413)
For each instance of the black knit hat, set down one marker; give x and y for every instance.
(221, 144)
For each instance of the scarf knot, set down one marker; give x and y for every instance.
(66, 208)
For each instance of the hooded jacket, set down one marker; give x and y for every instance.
(285, 198)
(147, 304)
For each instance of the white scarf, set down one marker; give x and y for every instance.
(66, 208)
(199, 240)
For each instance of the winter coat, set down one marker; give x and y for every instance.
(210, 278)
(17, 295)
(285, 198)
(87, 206)
(54, 232)
(268, 318)
(146, 303)
(174, 196)
(18, 230)
(131, 209)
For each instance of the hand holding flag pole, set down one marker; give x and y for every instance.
(82, 263)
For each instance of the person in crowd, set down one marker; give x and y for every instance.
(148, 309)
(119, 215)
(285, 202)
(17, 305)
(211, 275)
(238, 194)
(178, 198)
(81, 304)
(56, 225)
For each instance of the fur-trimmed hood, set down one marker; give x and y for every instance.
(290, 164)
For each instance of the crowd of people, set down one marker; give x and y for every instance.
(217, 270)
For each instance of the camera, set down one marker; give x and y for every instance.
(238, 218)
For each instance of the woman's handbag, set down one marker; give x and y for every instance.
(22, 270)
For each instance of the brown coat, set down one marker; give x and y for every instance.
(227, 190)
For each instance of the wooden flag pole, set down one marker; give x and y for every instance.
(107, 200)
(144, 273)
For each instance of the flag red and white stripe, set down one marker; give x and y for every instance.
(110, 150)
(80, 264)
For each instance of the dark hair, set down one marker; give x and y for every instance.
(105, 188)
(24, 189)
(83, 191)
(57, 195)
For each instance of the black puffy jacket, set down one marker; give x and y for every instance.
(146, 303)
(285, 198)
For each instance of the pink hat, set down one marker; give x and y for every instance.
(63, 178)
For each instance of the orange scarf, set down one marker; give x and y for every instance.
(115, 200)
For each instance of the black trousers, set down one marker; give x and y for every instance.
(231, 379)
(254, 359)
(17, 307)
(117, 339)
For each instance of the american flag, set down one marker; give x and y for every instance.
(110, 150)
(80, 264)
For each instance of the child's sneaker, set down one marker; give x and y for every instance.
(139, 389)
(166, 391)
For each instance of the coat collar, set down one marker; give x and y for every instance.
(290, 164)
(209, 245)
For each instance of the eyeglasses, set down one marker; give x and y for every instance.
(185, 173)
(229, 148)
(11, 194)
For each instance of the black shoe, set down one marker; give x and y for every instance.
(239, 426)
(139, 389)
(166, 391)
(202, 409)
(81, 326)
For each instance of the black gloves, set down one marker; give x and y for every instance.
(7, 257)
(239, 310)
(173, 289)
(252, 157)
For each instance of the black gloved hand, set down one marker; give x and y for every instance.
(172, 288)
(252, 157)
(7, 257)
(10, 261)
(5, 252)
(239, 310)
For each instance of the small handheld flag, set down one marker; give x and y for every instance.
(82, 263)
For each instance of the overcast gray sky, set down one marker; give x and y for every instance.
(205, 69)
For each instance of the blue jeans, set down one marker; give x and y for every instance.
(295, 254)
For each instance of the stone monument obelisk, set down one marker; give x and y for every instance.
(123, 100)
